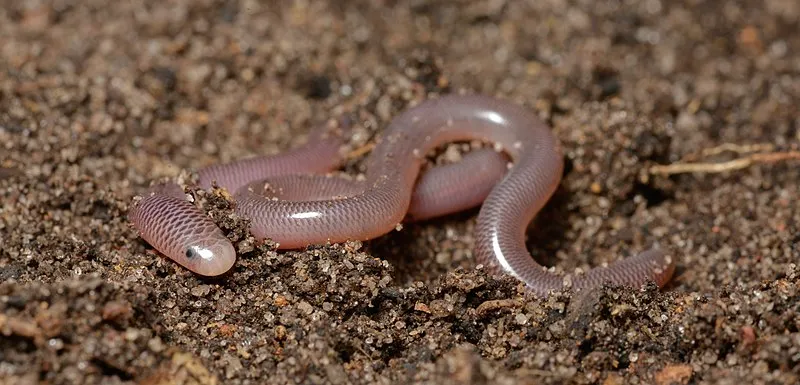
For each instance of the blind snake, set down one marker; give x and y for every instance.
(288, 200)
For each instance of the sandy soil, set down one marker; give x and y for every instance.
(96, 101)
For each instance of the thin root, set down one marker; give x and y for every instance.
(358, 152)
(757, 155)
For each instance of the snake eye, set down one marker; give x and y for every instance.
(191, 253)
(201, 252)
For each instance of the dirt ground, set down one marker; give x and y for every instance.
(98, 100)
